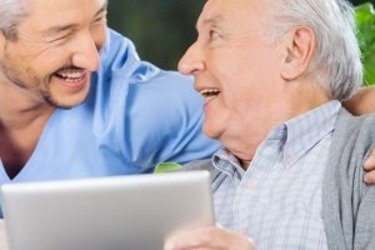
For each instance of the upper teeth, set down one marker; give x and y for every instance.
(69, 74)
(210, 93)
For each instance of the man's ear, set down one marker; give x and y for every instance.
(3, 41)
(298, 50)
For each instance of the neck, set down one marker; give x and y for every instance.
(19, 109)
(23, 116)
(295, 102)
(18, 113)
(21, 124)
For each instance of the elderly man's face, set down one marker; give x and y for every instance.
(56, 51)
(236, 70)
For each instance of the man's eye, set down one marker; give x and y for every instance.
(60, 38)
(214, 34)
(100, 20)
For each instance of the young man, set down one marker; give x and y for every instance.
(290, 174)
(69, 112)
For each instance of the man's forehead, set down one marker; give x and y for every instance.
(220, 11)
(32, 4)
(216, 12)
(42, 8)
(210, 14)
(42, 15)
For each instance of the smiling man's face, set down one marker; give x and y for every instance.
(56, 50)
(236, 70)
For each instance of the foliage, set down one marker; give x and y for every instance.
(165, 167)
(365, 16)
(161, 30)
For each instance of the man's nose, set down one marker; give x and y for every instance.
(86, 54)
(191, 61)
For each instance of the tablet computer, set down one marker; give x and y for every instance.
(117, 213)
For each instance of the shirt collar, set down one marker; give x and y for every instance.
(306, 130)
(222, 158)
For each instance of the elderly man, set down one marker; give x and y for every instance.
(289, 176)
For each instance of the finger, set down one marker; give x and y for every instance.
(186, 239)
(175, 239)
(370, 161)
(369, 177)
(208, 238)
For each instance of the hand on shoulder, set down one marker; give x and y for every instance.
(369, 166)
(363, 102)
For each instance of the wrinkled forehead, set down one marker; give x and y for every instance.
(60, 5)
(42, 14)
(238, 12)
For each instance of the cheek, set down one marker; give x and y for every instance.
(244, 97)
(99, 35)
(44, 59)
(51, 62)
(236, 106)
(16, 65)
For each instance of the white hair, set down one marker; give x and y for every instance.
(337, 61)
(11, 14)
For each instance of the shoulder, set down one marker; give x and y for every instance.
(117, 50)
(352, 140)
(345, 196)
(359, 129)
(166, 100)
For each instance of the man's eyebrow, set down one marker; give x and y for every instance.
(212, 21)
(62, 28)
(102, 9)
(59, 29)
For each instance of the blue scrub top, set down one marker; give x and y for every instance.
(136, 116)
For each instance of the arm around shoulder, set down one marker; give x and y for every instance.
(362, 102)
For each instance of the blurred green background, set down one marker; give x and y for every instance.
(161, 29)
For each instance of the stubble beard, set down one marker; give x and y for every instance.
(12, 77)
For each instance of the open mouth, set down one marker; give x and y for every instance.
(210, 94)
(71, 75)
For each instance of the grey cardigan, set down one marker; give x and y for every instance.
(348, 204)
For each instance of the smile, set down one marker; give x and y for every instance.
(210, 94)
(71, 75)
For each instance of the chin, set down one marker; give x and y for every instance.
(66, 96)
(210, 132)
(65, 103)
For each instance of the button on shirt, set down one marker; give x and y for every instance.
(278, 200)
